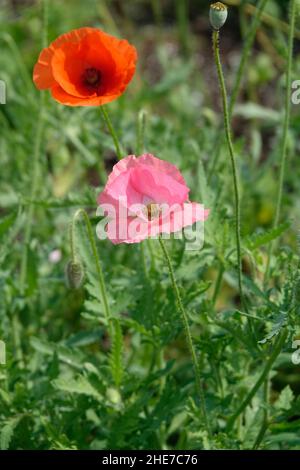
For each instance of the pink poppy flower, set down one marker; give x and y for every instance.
(144, 197)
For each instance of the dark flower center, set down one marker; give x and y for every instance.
(92, 77)
(152, 211)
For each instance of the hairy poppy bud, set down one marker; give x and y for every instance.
(75, 274)
(218, 15)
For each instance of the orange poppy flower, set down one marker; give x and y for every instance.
(85, 67)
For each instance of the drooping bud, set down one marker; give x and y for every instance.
(74, 274)
(217, 15)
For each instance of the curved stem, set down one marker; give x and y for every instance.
(16, 326)
(264, 424)
(35, 167)
(232, 158)
(112, 132)
(140, 148)
(32, 196)
(276, 351)
(76, 216)
(185, 321)
(249, 39)
(140, 134)
(245, 54)
(140, 140)
(293, 6)
(218, 283)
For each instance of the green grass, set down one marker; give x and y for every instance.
(106, 365)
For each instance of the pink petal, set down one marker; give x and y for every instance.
(158, 186)
(162, 166)
(182, 217)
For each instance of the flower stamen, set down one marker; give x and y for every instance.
(152, 211)
(92, 78)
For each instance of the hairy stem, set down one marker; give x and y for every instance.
(264, 424)
(245, 54)
(276, 351)
(140, 148)
(249, 39)
(218, 283)
(286, 124)
(185, 321)
(82, 213)
(35, 167)
(140, 134)
(112, 132)
(228, 133)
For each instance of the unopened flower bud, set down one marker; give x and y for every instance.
(75, 274)
(218, 14)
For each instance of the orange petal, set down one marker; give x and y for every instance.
(71, 60)
(73, 37)
(60, 95)
(61, 66)
(42, 73)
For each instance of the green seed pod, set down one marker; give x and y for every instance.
(74, 274)
(217, 15)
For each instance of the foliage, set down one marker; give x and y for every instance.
(66, 384)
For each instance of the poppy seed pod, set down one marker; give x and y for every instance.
(217, 15)
(75, 274)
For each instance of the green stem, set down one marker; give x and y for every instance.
(243, 19)
(17, 339)
(157, 13)
(245, 54)
(102, 287)
(185, 321)
(140, 141)
(35, 168)
(276, 351)
(112, 132)
(286, 124)
(218, 283)
(239, 75)
(182, 12)
(232, 158)
(140, 135)
(32, 195)
(261, 434)
(265, 421)
(143, 262)
(140, 148)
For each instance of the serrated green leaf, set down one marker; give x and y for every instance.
(7, 432)
(285, 399)
(259, 239)
(80, 385)
(69, 356)
(278, 324)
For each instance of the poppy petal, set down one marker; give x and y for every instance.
(42, 72)
(66, 66)
(60, 95)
